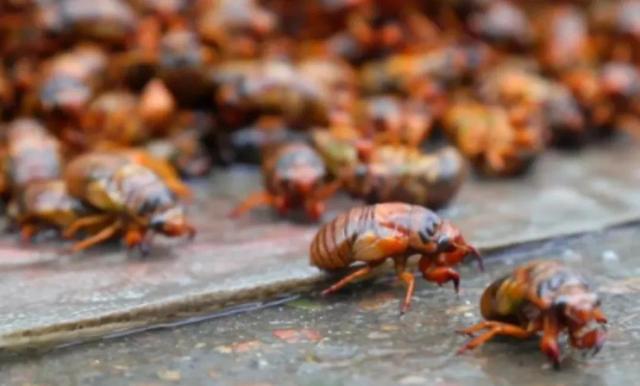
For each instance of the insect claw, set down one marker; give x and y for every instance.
(478, 256)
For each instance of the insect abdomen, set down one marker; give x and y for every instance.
(332, 247)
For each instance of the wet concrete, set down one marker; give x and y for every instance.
(49, 297)
(358, 338)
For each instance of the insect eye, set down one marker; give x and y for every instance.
(444, 244)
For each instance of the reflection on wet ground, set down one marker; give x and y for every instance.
(358, 338)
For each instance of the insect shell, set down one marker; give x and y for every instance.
(32, 154)
(546, 297)
(371, 234)
(44, 204)
(294, 176)
(134, 201)
(408, 175)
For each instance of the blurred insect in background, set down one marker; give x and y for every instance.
(294, 176)
(132, 200)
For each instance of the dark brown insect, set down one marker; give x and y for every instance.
(32, 154)
(372, 234)
(44, 204)
(132, 199)
(541, 296)
(247, 91)
(392, 173)
(182, 65)
(294, 176)
(407, 175)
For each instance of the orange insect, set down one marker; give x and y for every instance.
(541, 296)
(487, 136)
(372, 234)
(294, 176)
(134, 201)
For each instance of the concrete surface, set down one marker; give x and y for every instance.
(49, 298)
(358, 338)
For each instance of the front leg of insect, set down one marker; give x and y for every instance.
(492, 328)
(549, 341)
(438, 274)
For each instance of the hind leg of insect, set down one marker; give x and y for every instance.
(364, 271)
(253, 201)
(438, 274)
(408, 279)
(99, 237)
(493, 328)
(86, 222)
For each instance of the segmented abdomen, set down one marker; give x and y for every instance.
(332, 247)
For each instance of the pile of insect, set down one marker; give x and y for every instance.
(319, 193)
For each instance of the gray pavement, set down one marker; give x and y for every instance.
(50, 298)
(354, 338)
(358, 338)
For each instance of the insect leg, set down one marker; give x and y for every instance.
(99, 237)
(493, 328)
(85, 222)
(549, 342)
(27, 231)
(256, 199)
(351, 277)
(408, 279)
(178, 188)
(441, 275)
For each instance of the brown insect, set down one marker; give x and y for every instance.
(112, 119)
(541, 296)
(71, 79)
(407, 175)
(133, 200)
(32, 154)
(44, 204)
(390, 120)
(565, 40)
(372, 234)
(294, 176)
(487, 136)
(107, 21)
